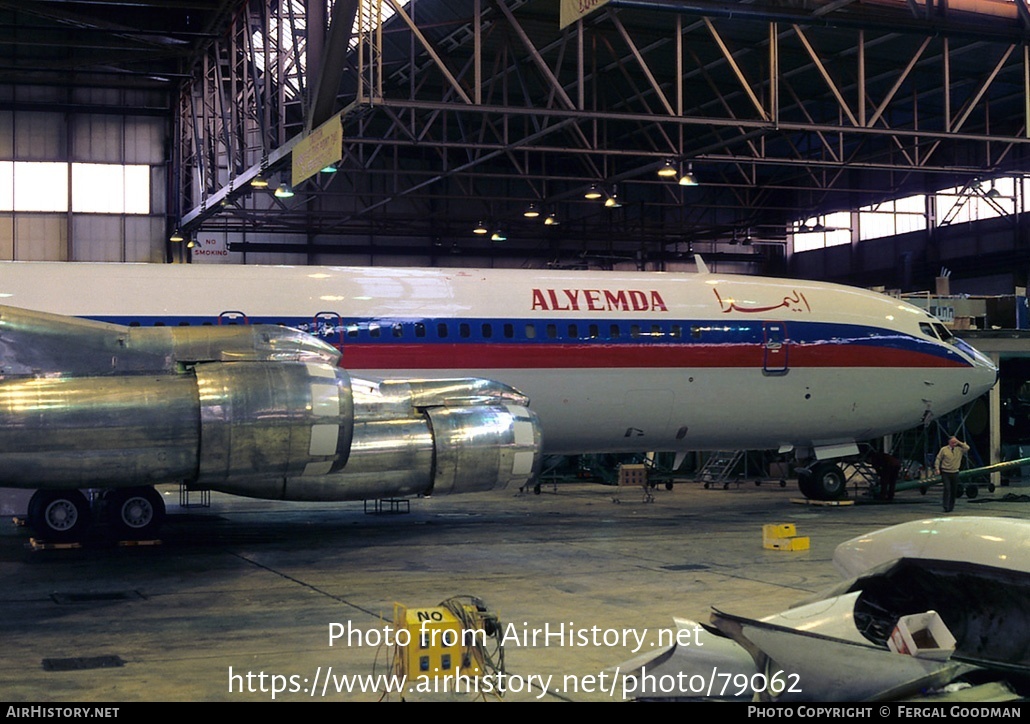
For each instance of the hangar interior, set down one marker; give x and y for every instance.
(885, 139)
(877, 143)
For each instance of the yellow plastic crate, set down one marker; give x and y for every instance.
(779, 530)
(797, 543)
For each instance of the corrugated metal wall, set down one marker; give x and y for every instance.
(86, 138)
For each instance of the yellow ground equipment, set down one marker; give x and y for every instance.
(459, 637)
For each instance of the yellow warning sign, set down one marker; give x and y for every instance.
(320, 148)
(573, 10)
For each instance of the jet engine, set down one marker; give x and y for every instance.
(259, 411)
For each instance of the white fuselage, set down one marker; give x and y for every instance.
(610, 361)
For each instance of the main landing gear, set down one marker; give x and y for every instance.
(66, 516)
(823, 481)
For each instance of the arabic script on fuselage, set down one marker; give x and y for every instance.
(598, 300)
(796, 302)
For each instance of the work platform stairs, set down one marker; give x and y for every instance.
(719, 468)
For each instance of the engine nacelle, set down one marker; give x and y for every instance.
(282, 430)
(414, 437)
(220, 422)
(262, 411)
(444, 450)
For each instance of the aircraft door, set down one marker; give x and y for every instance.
(232, 317)
(775, 358)
(328, 326)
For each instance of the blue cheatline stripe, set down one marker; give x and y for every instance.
(579, 332)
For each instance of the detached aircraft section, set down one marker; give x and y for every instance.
(260, 411)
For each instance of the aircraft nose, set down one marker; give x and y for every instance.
(984, 370)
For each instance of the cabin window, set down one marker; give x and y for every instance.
(613, 331)
(634, 331)
(398, 330)
(675, 331)
(552, 331)
(573, 331)
(530, 331)
(509, 331)
(656, 330)
(487, 330)
(373, 331)
(595, 331)
(420, 329)
(695, 332)
(441, 330)
(464, 330)
(352, 331)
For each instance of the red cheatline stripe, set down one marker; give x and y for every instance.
(600, 356)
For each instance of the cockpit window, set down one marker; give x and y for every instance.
(943, 332)
(938, 330)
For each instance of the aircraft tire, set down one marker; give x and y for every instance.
(828, 482)
(805, 485)
(61, 516)
(135, 513)
(972, 491)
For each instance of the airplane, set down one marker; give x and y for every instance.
(442, 379)
(959, 585)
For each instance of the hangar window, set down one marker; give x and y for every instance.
(33, 186)
(976, 200)
(106, 188)
(101, 188)
(893, 217)
(822, 231)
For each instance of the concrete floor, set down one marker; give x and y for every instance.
(254, 587)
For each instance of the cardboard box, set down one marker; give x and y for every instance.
(632, 474)
(924, 635)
